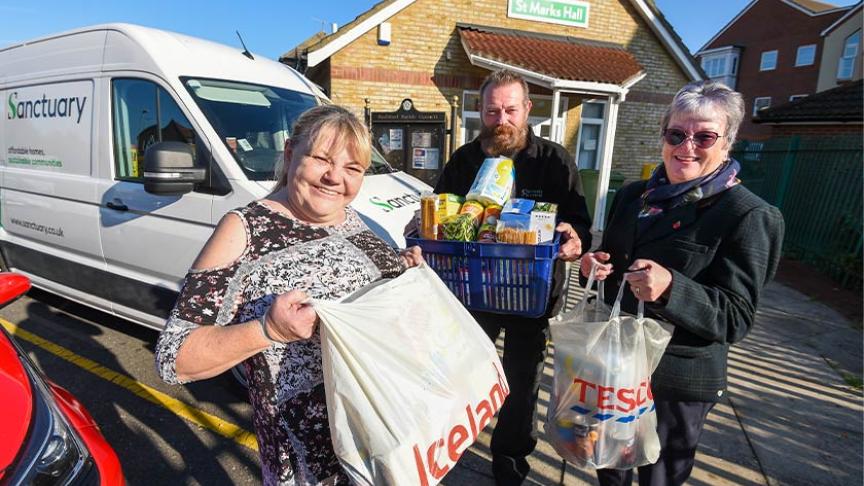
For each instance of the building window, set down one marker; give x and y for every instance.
(769, 61)
(761, 103)
(797, 97)
(806, 55)
(714, 67)
(846, 67)
(590, 138)
(721, 66)
(471, 123)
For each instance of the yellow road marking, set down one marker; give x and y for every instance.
(192, 414)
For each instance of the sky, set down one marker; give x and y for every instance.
(271, 28)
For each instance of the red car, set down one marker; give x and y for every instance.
(46, 436)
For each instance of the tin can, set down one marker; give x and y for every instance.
(429, 216)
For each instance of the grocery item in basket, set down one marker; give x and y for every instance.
(515, 236)
(491, 214)
(518, 206)
(543, 222)
(448, 205)
(459, 227)
(429, 216)
(486, 233)
(494, 181)
(545, 206)
(475, 209)
(515, 228)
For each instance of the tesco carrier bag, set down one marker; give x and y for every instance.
(601, 413)
(411, 379)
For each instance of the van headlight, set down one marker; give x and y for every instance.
(54, 454)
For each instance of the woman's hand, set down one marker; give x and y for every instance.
(290, 318)
(596, 259)
(648, 280)
(412, 256)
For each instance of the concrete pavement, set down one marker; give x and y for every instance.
(789, 417)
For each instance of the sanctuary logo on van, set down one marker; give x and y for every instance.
(45, 107)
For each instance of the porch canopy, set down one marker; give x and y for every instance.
(562, 65)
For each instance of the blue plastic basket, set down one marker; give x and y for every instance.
(494, 277)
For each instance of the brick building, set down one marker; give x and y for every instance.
(770, 52)
(606, 69)
(842, 57)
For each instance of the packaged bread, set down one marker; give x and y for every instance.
(494, 181)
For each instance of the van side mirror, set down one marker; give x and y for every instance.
(169, 169)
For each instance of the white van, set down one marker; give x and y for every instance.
(80, 215)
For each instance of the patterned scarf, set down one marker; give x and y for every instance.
(660, 195)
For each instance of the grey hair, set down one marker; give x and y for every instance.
(335, 123)
(503, 77)
(696, 98)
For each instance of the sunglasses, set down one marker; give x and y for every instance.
(703, 140)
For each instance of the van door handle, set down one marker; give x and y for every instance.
(118, 207)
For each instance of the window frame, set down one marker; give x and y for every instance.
(756, 100)
(812, 59)
(601, 140)
(797, 97)
(848, 61)
(762, 60)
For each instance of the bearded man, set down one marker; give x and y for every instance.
(544, 172)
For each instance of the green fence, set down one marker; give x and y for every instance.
(817, 184)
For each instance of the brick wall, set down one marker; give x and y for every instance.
(426, 62)
(773, 25)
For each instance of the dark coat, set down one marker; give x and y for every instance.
(544, 172)
(721, 252)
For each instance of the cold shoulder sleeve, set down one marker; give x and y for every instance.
(199, 303)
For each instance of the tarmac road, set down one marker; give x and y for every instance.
(164, 435)
(790, 417)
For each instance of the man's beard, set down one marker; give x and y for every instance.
(505, 140)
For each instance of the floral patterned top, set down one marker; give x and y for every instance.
(286, 386)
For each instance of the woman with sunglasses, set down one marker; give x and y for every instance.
(698, 248)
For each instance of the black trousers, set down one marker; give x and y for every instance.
(679, 425)
(515, 437)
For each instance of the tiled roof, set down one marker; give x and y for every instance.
(841, 104)
(555, 56)
(814, 6)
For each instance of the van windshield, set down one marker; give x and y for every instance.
(254, 121)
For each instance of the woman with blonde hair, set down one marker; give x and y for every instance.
(245, 300)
